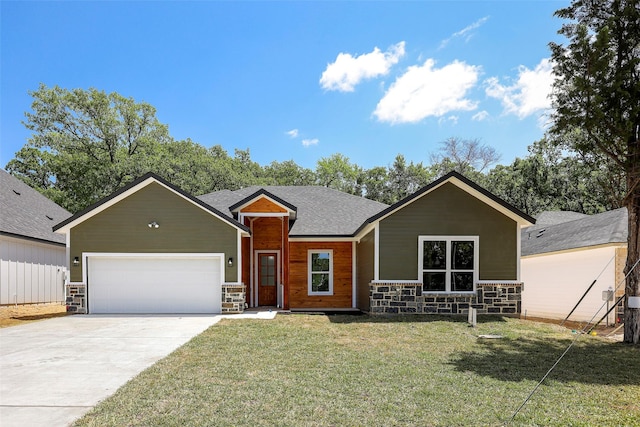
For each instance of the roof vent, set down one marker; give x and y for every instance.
(541, 232)
(17, 192)
(49, 218)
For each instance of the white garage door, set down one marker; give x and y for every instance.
(154, 284)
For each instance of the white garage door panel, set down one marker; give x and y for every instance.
(154, 285)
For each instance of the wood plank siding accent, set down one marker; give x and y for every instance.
(263, 205)
(342, 276)
(448, 210)
(184, 228)
(267, 234)
(365, 255)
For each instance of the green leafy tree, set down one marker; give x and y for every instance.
(553, 179)
(376, 184)
(339, 173)
(405, 179)
(85, 144)
(288, 173)
(596, 90)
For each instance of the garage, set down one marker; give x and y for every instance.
(154, 283)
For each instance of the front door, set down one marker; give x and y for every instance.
(267, 278)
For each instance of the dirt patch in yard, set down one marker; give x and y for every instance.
(11, 315)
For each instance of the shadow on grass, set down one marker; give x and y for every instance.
(588, 362)
(409, 318)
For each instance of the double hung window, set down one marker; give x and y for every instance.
(320, 279)
(448, 263)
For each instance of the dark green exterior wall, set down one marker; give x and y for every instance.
(184, 228)
(448, 211)
(365, 269)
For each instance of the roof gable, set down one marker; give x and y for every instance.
(464, 184)
(132, 188)
(264, 201)
(25, 213)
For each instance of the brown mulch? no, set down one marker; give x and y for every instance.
(12, 315)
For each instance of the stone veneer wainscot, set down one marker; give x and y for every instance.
(233, 298)
(388, 297)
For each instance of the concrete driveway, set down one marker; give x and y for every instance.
(53, 371)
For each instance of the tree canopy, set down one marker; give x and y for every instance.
(596, 108)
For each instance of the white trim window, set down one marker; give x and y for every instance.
(448, 263)
(320, 271)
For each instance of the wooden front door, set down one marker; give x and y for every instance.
(267, 278)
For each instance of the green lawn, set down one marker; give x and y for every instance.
(313, 370)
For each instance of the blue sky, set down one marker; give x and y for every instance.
(295, 80)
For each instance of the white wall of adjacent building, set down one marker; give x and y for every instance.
(554, 283)
(31, 272)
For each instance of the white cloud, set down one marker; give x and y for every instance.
(428, 91)
(347, 71)
(529, 94)
(310, 142)
(451, 119)
(480, 116)
(466, 32)
(293, 133)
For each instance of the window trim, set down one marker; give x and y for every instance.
(310, 273)
(448, 270)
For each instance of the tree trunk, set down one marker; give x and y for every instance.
(632, 288)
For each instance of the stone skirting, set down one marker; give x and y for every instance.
(233, 298)
(408, 298)
(76, 298)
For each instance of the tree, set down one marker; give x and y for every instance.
(466, 156)
(596, 91)
(553, 179)
(405, 179)
(85, 144)
(288, 173)
(339, 173)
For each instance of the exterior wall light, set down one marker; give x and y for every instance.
(230, 262)
(76, 261)
(153, 224)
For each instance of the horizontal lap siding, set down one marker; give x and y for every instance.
(448, 211)
(184, 228)
(365, 255)
(342, 276)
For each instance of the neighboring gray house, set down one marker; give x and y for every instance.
(33, 261)
(563, 254)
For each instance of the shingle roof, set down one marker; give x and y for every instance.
(558, 217)
(321, 211)
(580, 232)
(26, 213)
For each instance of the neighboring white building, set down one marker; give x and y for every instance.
(561, 257)
(33, 262)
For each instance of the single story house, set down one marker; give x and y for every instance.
(152, 248)
(562, 255)
(33, 260)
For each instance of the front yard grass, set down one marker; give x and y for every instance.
(341, 370)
